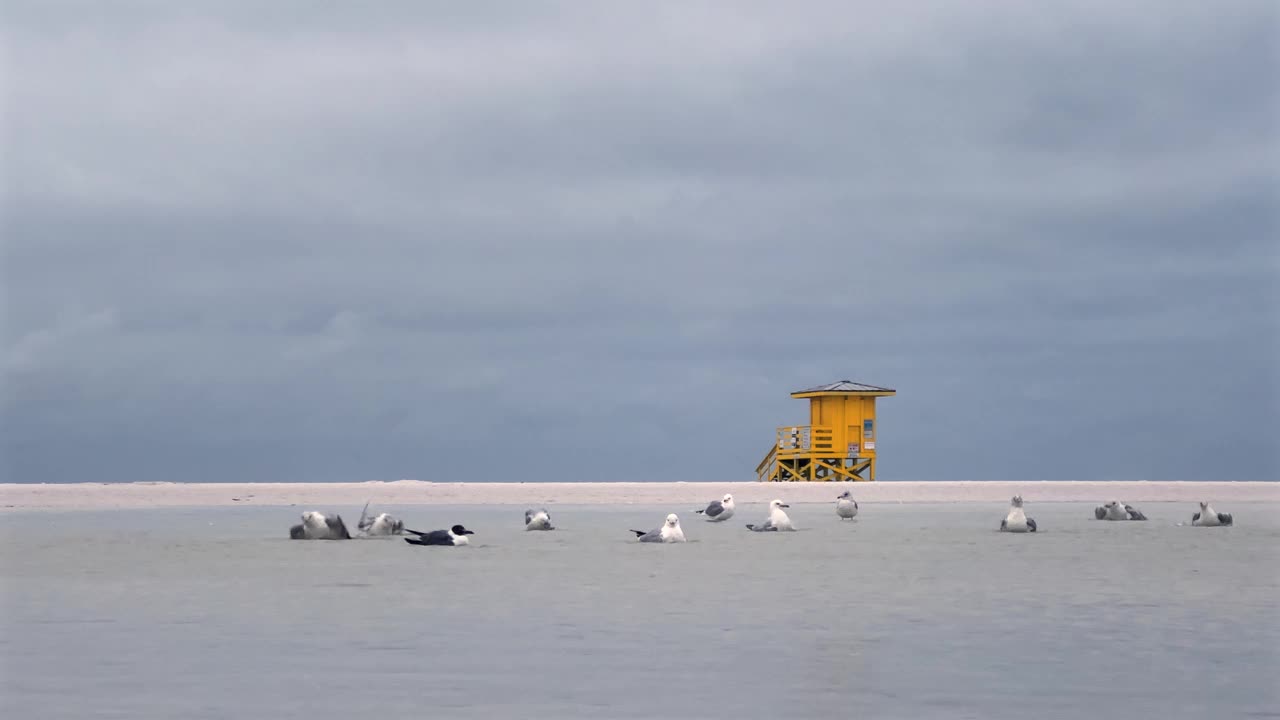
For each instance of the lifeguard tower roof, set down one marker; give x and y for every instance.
(844, 386)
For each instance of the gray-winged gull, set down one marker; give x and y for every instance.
(319, 526)
(668, 532)
(1017, 521)
(454, 536)
(846, 506)
(1207, 517)
(380, 524)
(538, 519)
(1116, 510)
(777, 519)
(719, 510)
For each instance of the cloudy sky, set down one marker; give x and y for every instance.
(603, 241)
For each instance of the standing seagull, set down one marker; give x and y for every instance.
(537, 520)
(380, 524)
(846, 506)
(1017, 520)
(1208, 518)
(668, 532)
(319, 526)
(1116, 510)
(719, 510)
(777, 519)
(455, 536)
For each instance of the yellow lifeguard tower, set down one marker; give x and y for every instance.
(838, 444)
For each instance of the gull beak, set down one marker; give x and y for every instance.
(784, 505)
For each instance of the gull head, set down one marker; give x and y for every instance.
(313, 517)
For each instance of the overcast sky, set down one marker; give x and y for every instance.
(603, 241)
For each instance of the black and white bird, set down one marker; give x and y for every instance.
(668, 532)
(538, 519)
(719, 510)
(319, 526)
(1116, 510)
(1017, 521)
(454, 536)
(1207, 517)
(777, 520)
(846, 506)
(380, 524)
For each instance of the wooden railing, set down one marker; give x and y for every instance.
(795, 440)
(764, 471)
(808, 452)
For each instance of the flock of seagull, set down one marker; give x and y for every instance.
(1016, 520)
(322, 526)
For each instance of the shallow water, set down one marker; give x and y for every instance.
(911, 611)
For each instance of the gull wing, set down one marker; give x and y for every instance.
(652, 536)
(337, 528)
(435, 537)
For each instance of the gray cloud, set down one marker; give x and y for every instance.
(604, 242)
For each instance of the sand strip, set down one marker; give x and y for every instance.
(104, 496)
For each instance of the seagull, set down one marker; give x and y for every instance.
(1208, 518)
(537, 520)
(1017, 520)
(319, 526)
(846, 506)
(1116, 510)
(455, 536)
(719, 510)
(668, 532)
(380, 524)
(777, 519)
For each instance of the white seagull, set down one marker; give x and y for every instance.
(1208, 518)
(846, 506)
(380, 524)
(777, 519)
(668, 532)
(1017, 521)
(1116, 510)
(719, 510)
(537, 520)
(319, 526)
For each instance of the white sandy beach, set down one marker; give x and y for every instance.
(104, 496)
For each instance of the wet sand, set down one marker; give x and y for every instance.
(914, 611)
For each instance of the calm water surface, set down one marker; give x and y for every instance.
(912, 611)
